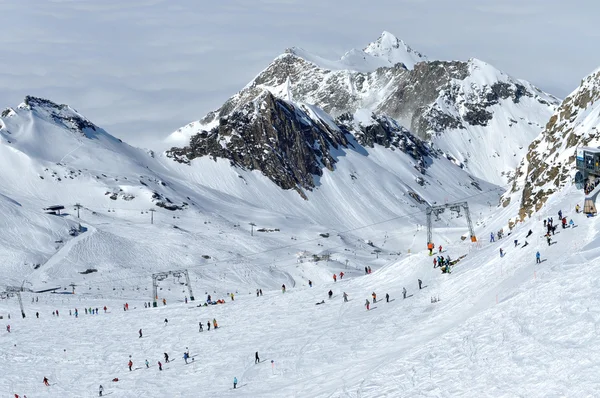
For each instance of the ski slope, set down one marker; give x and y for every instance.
(503, 327)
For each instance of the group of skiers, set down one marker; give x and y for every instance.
(335, 277)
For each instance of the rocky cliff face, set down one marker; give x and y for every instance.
(550, 161)
(290, 142)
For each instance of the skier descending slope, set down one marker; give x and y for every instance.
(367, 304)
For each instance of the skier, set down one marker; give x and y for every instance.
(8, 328)
(127, 306)
(232, 299)
(185, 357)
(147, 364)
(105, 309)
(256, 358)
(330, 293)
(256, 292)
(577, 208)
(374, 297)
(501, 252)
(283, 288)
(37, 314)
(560, 214)
(403, 292)
(369, 267)
(208, 324)
(145, 306)
(564, 222)
(430, 248)
(100, 390)
(130, 364)
(366, 270)
(545, 222)
(529, 234)
(434, 262)
(56, 312)
(420, 283)
(260, 290)
(440, 249)
(140, 332)
(166, 357)
(341, 275)
(334, 277)
(164, 301)
(234, 382)
(345, 297)
(549, 239)
(185, 299)
(166, 321)
(215, 323)
(76, 313)
(367, 304)
(46, 383)
(537, 258)
(516, 242)
(492, 237)
(208, 299)
(309, 283)
(571, 223)
(387, 298)
(159, 365)
(200, 325)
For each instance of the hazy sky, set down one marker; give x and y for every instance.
(143, 68)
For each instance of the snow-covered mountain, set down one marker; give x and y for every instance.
(475, 113)
(549, 165)
(52, 155)
(277, 191)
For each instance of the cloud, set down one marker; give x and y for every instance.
(143, 68)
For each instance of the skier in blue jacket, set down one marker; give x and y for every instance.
(235, 382)
(537, 258)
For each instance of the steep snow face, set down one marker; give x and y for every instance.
(464, 108)
(550, 162)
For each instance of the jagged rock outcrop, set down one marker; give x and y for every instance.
(550, 161)
(290, 143)
(273, 136)
(62, 115)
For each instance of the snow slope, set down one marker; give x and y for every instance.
(503, 327)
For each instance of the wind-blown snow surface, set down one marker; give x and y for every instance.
(503, 327)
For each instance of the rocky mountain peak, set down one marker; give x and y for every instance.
(61, 114)
(550, 161)
(290, 142)
(394, 50)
